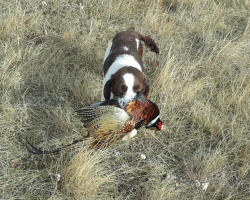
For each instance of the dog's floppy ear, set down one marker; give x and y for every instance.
(107, 89)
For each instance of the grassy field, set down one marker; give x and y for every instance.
(51, 56)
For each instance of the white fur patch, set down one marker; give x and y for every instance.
(130, 94)
(137, 43)
(125, 48)
(107, 51)
(120, 62)
(153, 121)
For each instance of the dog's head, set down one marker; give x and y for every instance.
(125, 84)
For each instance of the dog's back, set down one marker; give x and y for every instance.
(127, 42)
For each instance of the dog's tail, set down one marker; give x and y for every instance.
(149, 42)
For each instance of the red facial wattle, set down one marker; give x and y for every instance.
(159, 125)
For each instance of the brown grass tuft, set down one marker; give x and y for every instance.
(85, 177)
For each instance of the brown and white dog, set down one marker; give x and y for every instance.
(123, 67)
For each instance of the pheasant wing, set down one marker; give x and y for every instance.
(103, 119)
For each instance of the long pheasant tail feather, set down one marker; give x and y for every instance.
(34, 150)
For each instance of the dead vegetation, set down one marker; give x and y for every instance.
(51, 61)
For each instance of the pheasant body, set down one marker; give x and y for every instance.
(108, 124)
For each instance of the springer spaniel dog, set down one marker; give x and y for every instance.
(123, 67)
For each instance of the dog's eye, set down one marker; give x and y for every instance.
(123, 88)
(136, 88)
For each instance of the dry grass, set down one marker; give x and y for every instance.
(51, 61)
(84, 176)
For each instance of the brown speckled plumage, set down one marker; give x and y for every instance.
(107, 124)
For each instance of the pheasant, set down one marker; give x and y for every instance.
(107, 123)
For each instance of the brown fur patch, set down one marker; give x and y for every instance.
(116, 83)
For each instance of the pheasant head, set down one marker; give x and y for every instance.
(145, 113)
